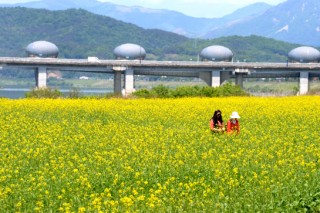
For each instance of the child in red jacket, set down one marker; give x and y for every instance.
(233, 123)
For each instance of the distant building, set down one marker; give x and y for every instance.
(83, 77)
(55, 74)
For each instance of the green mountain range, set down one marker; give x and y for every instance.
(79, 34)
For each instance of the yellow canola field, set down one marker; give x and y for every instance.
(158, 155)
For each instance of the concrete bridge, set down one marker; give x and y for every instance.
(213, 73)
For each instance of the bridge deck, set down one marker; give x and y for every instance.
(140, 64)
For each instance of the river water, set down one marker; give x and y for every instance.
(17, 93)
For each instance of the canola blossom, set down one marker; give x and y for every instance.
(158, 155)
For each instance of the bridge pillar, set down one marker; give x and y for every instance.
(41, 77)
(304, 83)
(239, 73)
(211, 78)
(239, 79)
(215, 78)
(128, 82)
(117, 83)
(224, 76)
(117, 79)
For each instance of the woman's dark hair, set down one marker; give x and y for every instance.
(217, 118)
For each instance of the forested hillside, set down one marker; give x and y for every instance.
(79, 34)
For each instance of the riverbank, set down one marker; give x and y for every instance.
(17, 88)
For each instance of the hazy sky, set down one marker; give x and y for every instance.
(196, 8)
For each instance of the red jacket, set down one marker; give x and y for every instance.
(212, 127)
(233, 127)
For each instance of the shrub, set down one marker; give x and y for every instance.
(208, 92)
(191, 91)
(74, 93)
(161, 91)
(143, 93)
(44, 93)
(314, 91)
(186, 91)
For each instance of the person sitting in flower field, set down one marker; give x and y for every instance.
(233, 123)
(216, 122)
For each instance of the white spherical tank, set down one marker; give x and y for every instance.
(129, 51)
(304, 54)
(216, 53)
(43, 49)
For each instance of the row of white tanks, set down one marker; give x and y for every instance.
(45, 49)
